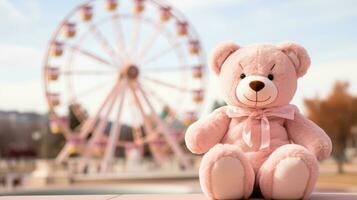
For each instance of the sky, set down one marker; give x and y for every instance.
(326, 28)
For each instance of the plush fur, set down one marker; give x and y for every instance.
(295, 144)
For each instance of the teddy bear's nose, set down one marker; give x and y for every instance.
(256, 85)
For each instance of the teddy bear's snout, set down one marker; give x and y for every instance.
(256, 90)
(256, 85)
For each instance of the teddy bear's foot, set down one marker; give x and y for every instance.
(225, 173)
(289, 173)
(290, 179)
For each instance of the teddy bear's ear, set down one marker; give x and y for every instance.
(298, 55)
(220, 54)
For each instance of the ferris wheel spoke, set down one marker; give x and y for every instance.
(161, 53)
(98, 131)
(136, 99)
(63, 154)
(90, 123)
(117, 26)
(87, 72)
(103, 121)
(134, 112)
(114, 133)
(91, 90)
(147, 124)
(149, 43)
(165, 132)
(169, 68)
(99, 36)
(91, 55)
(135, 37)
(159, 99)
(168, 85)
(138, 135)
(152, 93)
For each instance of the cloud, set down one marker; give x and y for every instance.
(19, 57)
(22, 96)
(299, 10)
(186, 5)
(255, 18)
(20, 63)
(9, 12)
(323, 11)
(20, 82)
(16, 17)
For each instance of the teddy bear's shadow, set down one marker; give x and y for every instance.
(257, 194)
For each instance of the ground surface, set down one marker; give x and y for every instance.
(315, 196)
(329, 181)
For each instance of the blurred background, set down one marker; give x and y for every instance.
(95, 96)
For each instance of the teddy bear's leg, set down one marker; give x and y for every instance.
(225, 173)
(290, 172)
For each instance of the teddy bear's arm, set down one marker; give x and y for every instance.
(305, 132)
(207, 132)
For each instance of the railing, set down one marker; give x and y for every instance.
(14, 171)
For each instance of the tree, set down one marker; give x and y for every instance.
(337, 115)
(217, 104)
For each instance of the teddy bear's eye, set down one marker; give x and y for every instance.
(271, 77)
(242, 76)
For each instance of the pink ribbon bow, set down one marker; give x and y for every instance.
(286, 112)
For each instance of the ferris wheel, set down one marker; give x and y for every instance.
(134, 62)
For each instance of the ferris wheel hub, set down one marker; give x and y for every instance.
(130, 72)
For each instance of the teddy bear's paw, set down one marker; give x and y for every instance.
(225, 173)
(290, 179)
(290, 172)
(227, 178)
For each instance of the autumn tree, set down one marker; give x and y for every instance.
(337, 115)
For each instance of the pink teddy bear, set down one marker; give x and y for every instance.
(259, 140)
